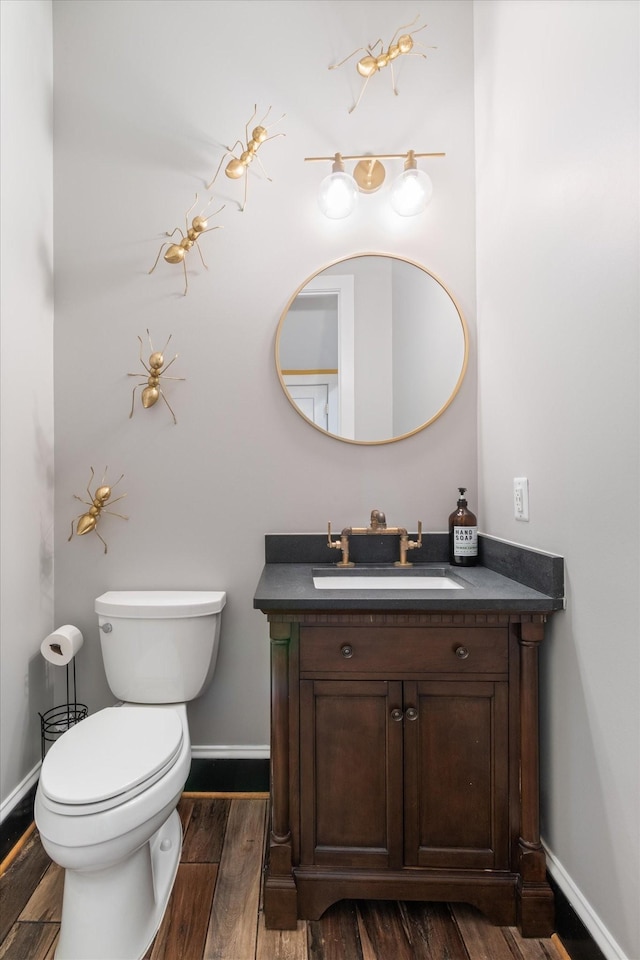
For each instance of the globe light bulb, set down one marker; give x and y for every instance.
(338, 193)
(412, 191)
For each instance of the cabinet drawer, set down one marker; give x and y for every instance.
(352, 650)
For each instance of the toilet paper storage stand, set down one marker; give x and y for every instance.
(57, 720)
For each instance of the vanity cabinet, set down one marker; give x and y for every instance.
(404, 772)
(405, 763)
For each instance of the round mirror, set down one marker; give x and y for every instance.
(371, 349)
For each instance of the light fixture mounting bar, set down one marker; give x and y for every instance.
(373, 156)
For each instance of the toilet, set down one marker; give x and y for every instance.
(106, 801)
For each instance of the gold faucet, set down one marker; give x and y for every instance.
(377, 525)
(406, 545)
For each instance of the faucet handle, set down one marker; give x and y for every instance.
(330, 542)
(414, 544)
(417, 543)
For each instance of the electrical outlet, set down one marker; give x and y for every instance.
(521, 498)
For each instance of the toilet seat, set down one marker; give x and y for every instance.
(109, 758)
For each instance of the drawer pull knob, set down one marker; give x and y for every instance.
(411, 714)
(462, 653)
(346, 651)
(396, 715)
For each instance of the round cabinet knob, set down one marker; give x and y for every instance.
(412, 713)
(346, 651)
(396, 715)
(462, 653)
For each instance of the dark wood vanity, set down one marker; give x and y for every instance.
(404, 751)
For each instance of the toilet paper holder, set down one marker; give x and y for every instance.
(57, 720)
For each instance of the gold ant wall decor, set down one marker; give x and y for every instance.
(177, 252)
(373, 62)
(152, 390)
(88, 522)
(238, 166)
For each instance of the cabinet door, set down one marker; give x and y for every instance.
(456, 774)
(351, 773)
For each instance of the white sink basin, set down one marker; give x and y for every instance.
(385, 582)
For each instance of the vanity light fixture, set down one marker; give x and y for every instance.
(338, 194)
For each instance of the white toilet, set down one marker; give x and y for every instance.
(106, 801)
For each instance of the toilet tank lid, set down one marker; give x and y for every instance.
(157, 604)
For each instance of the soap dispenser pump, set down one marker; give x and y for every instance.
(463, 534)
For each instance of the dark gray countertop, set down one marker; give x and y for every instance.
(289, 586)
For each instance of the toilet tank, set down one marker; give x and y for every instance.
(159, 646)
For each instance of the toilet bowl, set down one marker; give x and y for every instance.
(106, 801)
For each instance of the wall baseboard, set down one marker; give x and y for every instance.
(17, 812)
(230, 752)
(580, 928)
(19, 793)
(228, 775)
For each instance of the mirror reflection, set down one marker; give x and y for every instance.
(371, 349)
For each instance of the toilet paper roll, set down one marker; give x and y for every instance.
(61, 646)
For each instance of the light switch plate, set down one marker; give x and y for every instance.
(521, 498)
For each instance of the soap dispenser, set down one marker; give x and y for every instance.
(463, 535)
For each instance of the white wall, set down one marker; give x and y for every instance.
(26, 402)
(145, 94)
(557, 188)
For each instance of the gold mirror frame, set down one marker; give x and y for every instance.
(421, 426)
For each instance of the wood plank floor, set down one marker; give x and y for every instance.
(215, 910)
